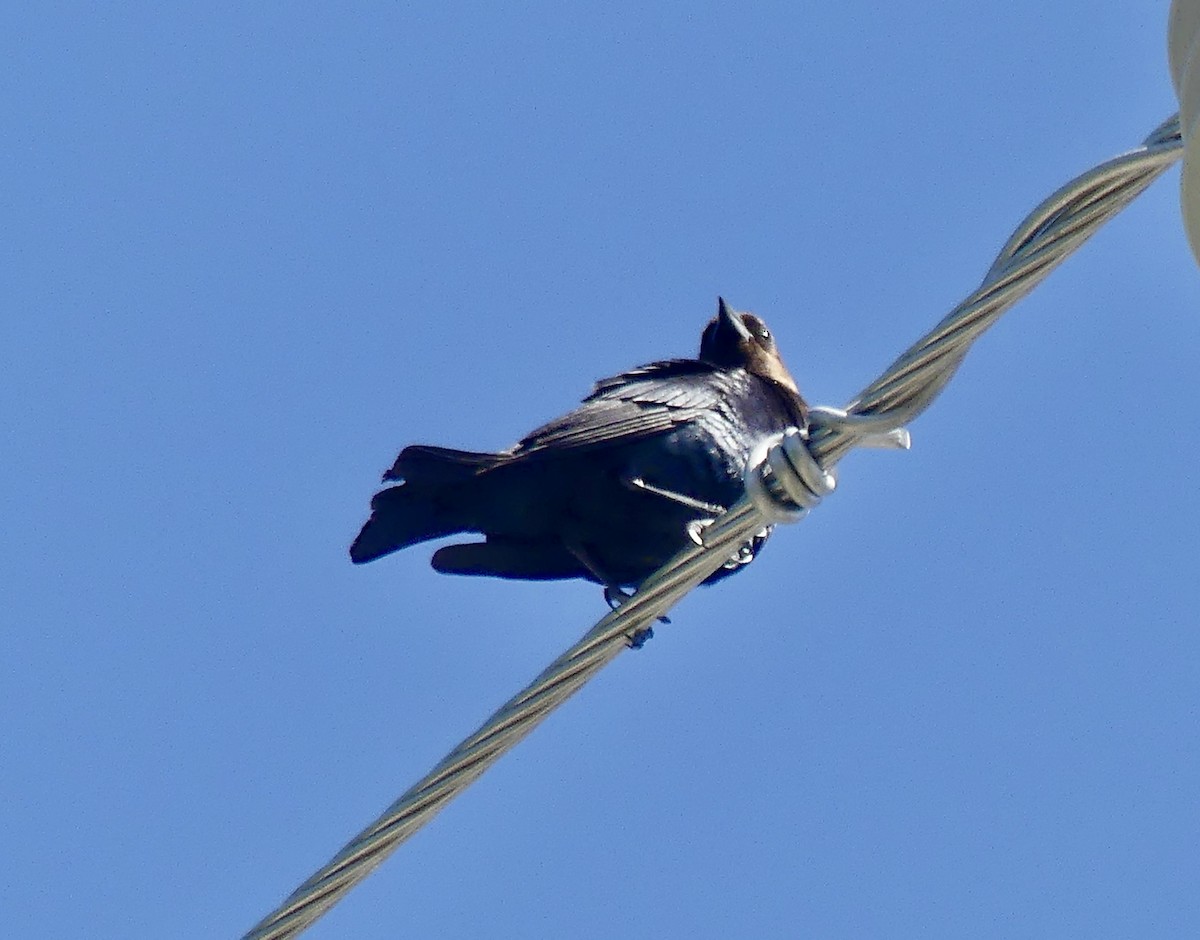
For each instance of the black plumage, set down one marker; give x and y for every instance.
(607, 491)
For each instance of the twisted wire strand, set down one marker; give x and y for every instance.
(1052, 231)
(1040, 243)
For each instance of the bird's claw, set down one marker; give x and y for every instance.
(637, 639)
(615, 597)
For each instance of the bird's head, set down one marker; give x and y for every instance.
(734, 339)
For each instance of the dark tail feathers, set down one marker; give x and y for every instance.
(420, 508)
(400, 516)
(423, 463)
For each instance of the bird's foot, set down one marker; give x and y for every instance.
(639, 637)
(695, 529)
(615, 597)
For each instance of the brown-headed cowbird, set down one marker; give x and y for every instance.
(608, 491)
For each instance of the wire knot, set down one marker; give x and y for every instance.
(784, 479)
(878, 431)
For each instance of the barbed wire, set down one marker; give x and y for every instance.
(785, 477)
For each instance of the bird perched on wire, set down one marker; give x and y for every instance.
(608, 491)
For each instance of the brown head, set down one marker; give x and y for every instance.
(734, 339)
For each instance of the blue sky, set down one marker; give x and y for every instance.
(246, 255)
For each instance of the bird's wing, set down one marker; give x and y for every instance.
(644, 402)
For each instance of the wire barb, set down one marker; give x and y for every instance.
(788, 476)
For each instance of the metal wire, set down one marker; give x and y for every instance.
(1052, 231)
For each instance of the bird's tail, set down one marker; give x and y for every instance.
(423, 463)
(424, 506)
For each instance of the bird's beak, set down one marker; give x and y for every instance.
(730, 320)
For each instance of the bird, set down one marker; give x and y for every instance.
(611, 490)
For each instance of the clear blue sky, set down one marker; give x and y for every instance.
(247, 254)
